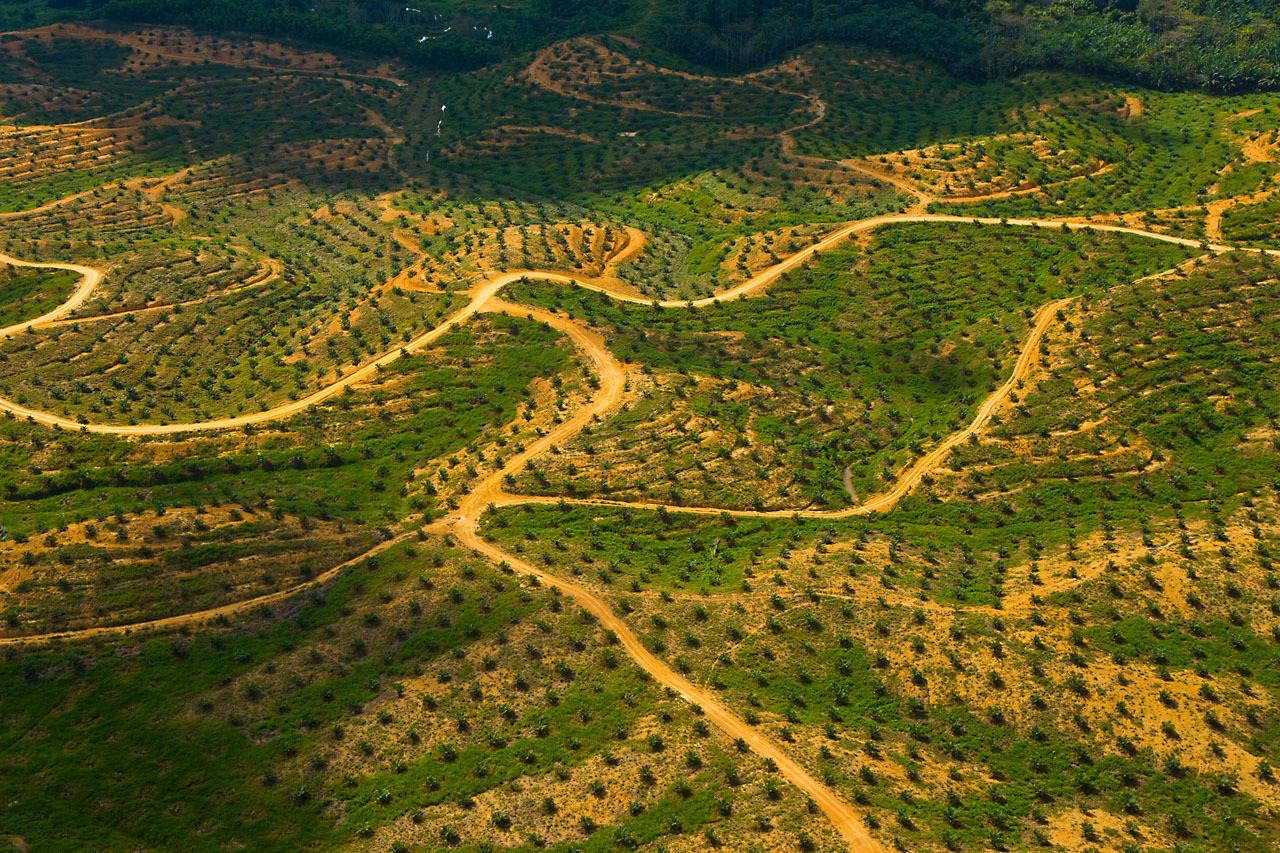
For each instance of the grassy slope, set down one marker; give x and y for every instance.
(26, 294)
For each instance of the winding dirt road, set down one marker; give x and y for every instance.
(488, 290)
(906, 481)
(842, 816)
(90, 280)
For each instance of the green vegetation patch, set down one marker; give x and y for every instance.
(26, 294)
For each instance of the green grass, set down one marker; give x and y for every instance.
(1252, 224)
(26, 294)
(183, 758)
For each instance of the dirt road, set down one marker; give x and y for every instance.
(612, 383)
(90, 280)
(488, 290)
(906, 481)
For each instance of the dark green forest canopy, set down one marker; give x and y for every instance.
(1216, 45)
(1223, 45)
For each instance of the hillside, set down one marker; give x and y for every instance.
(636, 432)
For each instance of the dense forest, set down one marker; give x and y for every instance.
(1221, 45)
(449, 35)
(1215, 45)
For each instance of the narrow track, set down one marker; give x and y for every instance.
(91, 278)
(203, 617)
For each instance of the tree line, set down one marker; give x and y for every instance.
(1214, 45)
(1226, 46)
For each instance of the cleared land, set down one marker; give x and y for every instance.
(285, 389)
